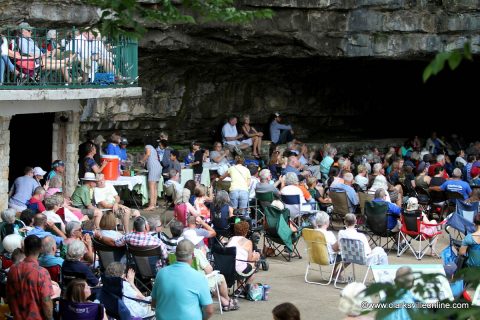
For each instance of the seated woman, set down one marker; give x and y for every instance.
(471, 245)
(108, 225)
(136, 308)
(244, 252)
(412, 205)
(10, 224)
(221, 211)
(318, 193)
(253, 137)
(322, 221)
(74, 233)
(77, 291)
(26, 217)
(184, 208)
(73, 265)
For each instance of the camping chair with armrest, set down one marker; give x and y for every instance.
(144, 261)
(224, 260)
(466, 210)
(262, 200)
(423, 197)
(80, 311)
(362, 198)
(278, 234)
(353, 252)
(452, 198)
(438, 203)
(376, 224)
(340, 204)
(107, 254)
(54, 272)
(111, 296)
(412, 223)
(298, 211)
(317, 254)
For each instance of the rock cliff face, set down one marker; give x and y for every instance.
(333, 67)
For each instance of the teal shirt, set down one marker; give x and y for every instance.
(180, 292)
(473, 250)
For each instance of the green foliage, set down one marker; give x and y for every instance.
(454, 58)
(128, 17)
(470, 276)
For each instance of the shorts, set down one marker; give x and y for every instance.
(88, 212)
(121, 211)
(247, 141)
(393, 195)
(247, 272)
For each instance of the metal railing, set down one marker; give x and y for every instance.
(34, 58)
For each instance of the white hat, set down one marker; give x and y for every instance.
(12, 242)
(191, 235)
(278, 204)
(37, 171)
(412, 204)
(89, 176)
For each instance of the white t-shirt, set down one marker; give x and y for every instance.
(361, 181)
(55, 218)
(350, 233)
(253, 186)
(331, 240)
(229, 131)
(107, 194)
(137, 309)
(294, 208)
(112, 234)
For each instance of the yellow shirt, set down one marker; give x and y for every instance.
(239, 175)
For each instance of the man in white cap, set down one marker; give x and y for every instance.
(38, 174)
(180, 292)
(82, 198)
(22, 190)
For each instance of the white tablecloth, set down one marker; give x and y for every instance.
(130, 182)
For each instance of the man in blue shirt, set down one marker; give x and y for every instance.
(40, 223)
(456, 184)
(47, 257)
(292, 166)
(280, 133)
(180, 292)
(393, 224)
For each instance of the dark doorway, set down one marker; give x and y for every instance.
(30, 143)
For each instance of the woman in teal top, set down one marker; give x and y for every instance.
(471, 245)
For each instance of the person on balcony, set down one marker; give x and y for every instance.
(28, 47)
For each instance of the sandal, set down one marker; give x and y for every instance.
(232, 306)
(149, 209)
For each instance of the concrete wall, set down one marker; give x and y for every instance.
(4, 160)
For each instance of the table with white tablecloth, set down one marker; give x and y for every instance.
(133, 183)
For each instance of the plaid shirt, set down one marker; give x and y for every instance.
(143, 239)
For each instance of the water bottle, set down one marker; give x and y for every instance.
(266, 290)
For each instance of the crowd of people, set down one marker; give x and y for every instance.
(53, 229)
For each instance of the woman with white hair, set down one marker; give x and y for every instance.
(429, 227)
(352, 301)
(73, 265)
(291, 189)
(73, 231)
(9, 225)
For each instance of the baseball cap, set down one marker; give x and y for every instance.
(184, 249)
(58, 163)
(25, 26)
(475, 171)
(277, 114)
(124, 141)
(37, 171)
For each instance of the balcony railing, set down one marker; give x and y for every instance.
(35, 58)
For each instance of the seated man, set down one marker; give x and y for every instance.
(22, 190)
(35, 203)
(205, 230)
(82, 199)
(47, 256)
(456, 185)
(393, 224)
(220, 156)
(107, 198)
(176, 229)
(172, 187)
(265, 186)
(352, 196)
(280, 133)
(231, 137)
(40, 223)
(374, 256)
(140, 237)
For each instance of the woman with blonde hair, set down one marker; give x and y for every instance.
(251, 133)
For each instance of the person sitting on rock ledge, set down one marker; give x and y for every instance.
(280, 133)
(232, 138)
(252, 134)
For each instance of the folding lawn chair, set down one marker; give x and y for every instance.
(80, 311)
(107, 254)
(144, 260)
(278, 234)
(353, 252)
(412, 223)
(317, 254)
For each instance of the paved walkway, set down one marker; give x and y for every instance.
(287, 284)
